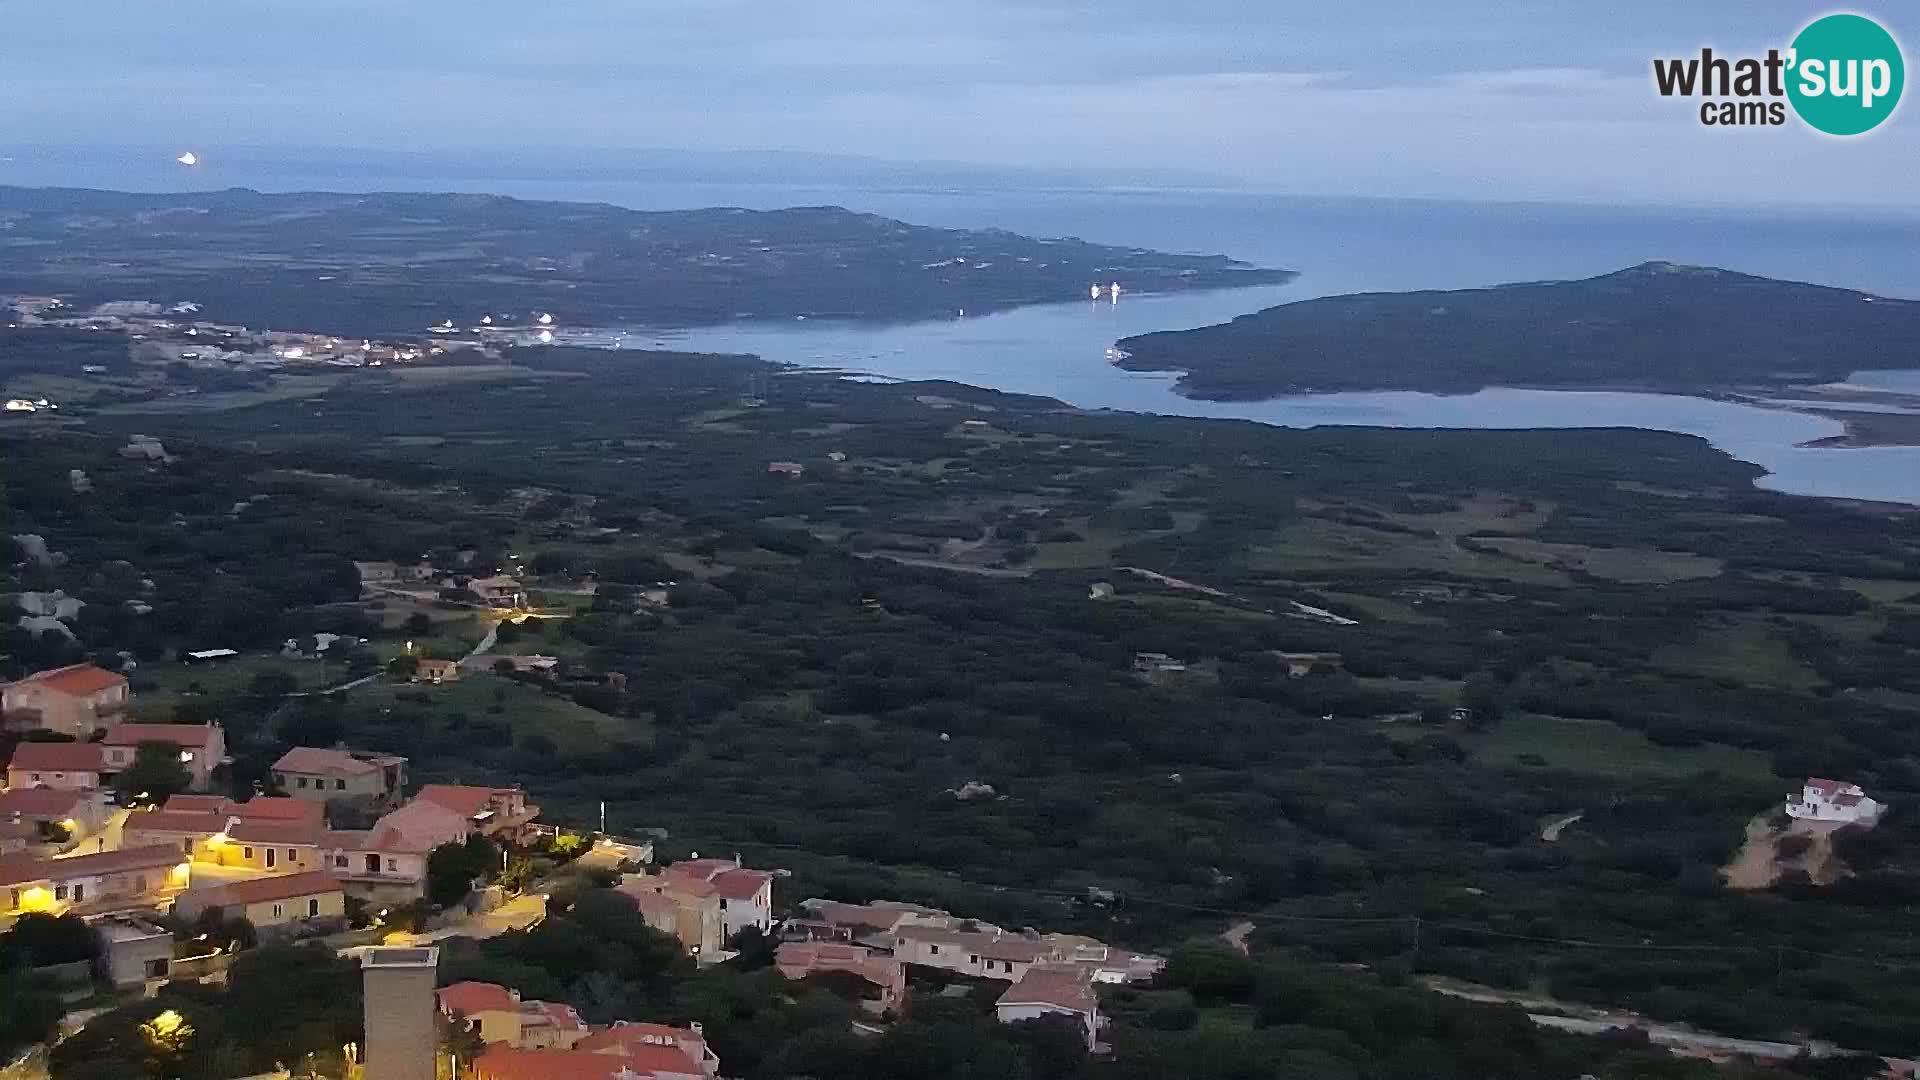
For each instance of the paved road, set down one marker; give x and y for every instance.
(517, 914)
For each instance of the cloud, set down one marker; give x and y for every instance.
(1534, 98)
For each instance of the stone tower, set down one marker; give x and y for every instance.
(399, 1004)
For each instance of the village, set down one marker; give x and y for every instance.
(342, 848)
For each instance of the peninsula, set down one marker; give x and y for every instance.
(398, 263)
(1655, 326)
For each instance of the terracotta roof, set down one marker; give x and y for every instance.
(14, 871)
(198, 804)
(269, 831)
(279, 808)
(58, 757)
(175, 821)
(1825, 786)
(625, 1034)
(1063, 988)
(703, 869)
(347, 839)
(469, 998)
(1846, 800)
(463, 799)
(77, 680)
(556, 1013)
(741, 884)
(418, 827)
(261, 889)
(312, 760)
(500, 1063)
(131, 734)
(41, 802)
(843, 914)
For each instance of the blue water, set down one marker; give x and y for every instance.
(1339, 245)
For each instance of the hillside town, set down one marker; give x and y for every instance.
(341, 848)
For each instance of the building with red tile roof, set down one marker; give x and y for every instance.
(1053, 990)
(649, 1063)
(71, 766)
(317, 775)
(279, 900)
(628, 1037)
(75, 700)
(885, 976)
(746, 896)
(126, 879)
(502, 813)
(202, 747)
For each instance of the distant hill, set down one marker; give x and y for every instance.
(1655, 325)
(359, 264)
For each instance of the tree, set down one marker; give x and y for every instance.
(156, 773)
(419, 624)
(403, 667)
(453, 868)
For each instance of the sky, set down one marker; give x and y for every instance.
(1524, 99)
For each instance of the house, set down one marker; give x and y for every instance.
(201, 747)
(686, 908)
(500, 590)
(133, 950)
(500, 813)
(317, 775)
(75, 700)
(65, 765)
(283, 900)
(746, 896)
(990, 954)
(271, 836)
(1834, 800)
(884, 976)
(1053, 991)
(435, 672)
(388, 863)
(132, 877)
(786, 468)
(497, 1015)
(872, 924)
(625, 1038)
(649, 1063)
(54, 811)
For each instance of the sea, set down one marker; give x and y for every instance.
(1337, 244)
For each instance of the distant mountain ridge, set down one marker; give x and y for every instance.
(1656, 325)
(398, 262)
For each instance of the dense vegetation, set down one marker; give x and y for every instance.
(1655, 325)
(1635, 632)
(396, 263)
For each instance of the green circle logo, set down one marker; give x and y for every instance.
(1846, 74)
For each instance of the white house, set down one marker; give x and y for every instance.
(1045, 991)
(1834, 800)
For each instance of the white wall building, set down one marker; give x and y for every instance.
(1834, 800)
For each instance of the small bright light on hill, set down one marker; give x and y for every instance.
(188, 158)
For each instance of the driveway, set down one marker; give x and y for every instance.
(516, 914)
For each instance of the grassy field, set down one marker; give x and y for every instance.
(1747, 650)
(527, 709)
(177, 681)
(1641, 566)
(1319, 546)
(1604, 749)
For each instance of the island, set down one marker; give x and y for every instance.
(1655, 326)
(398, 263)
